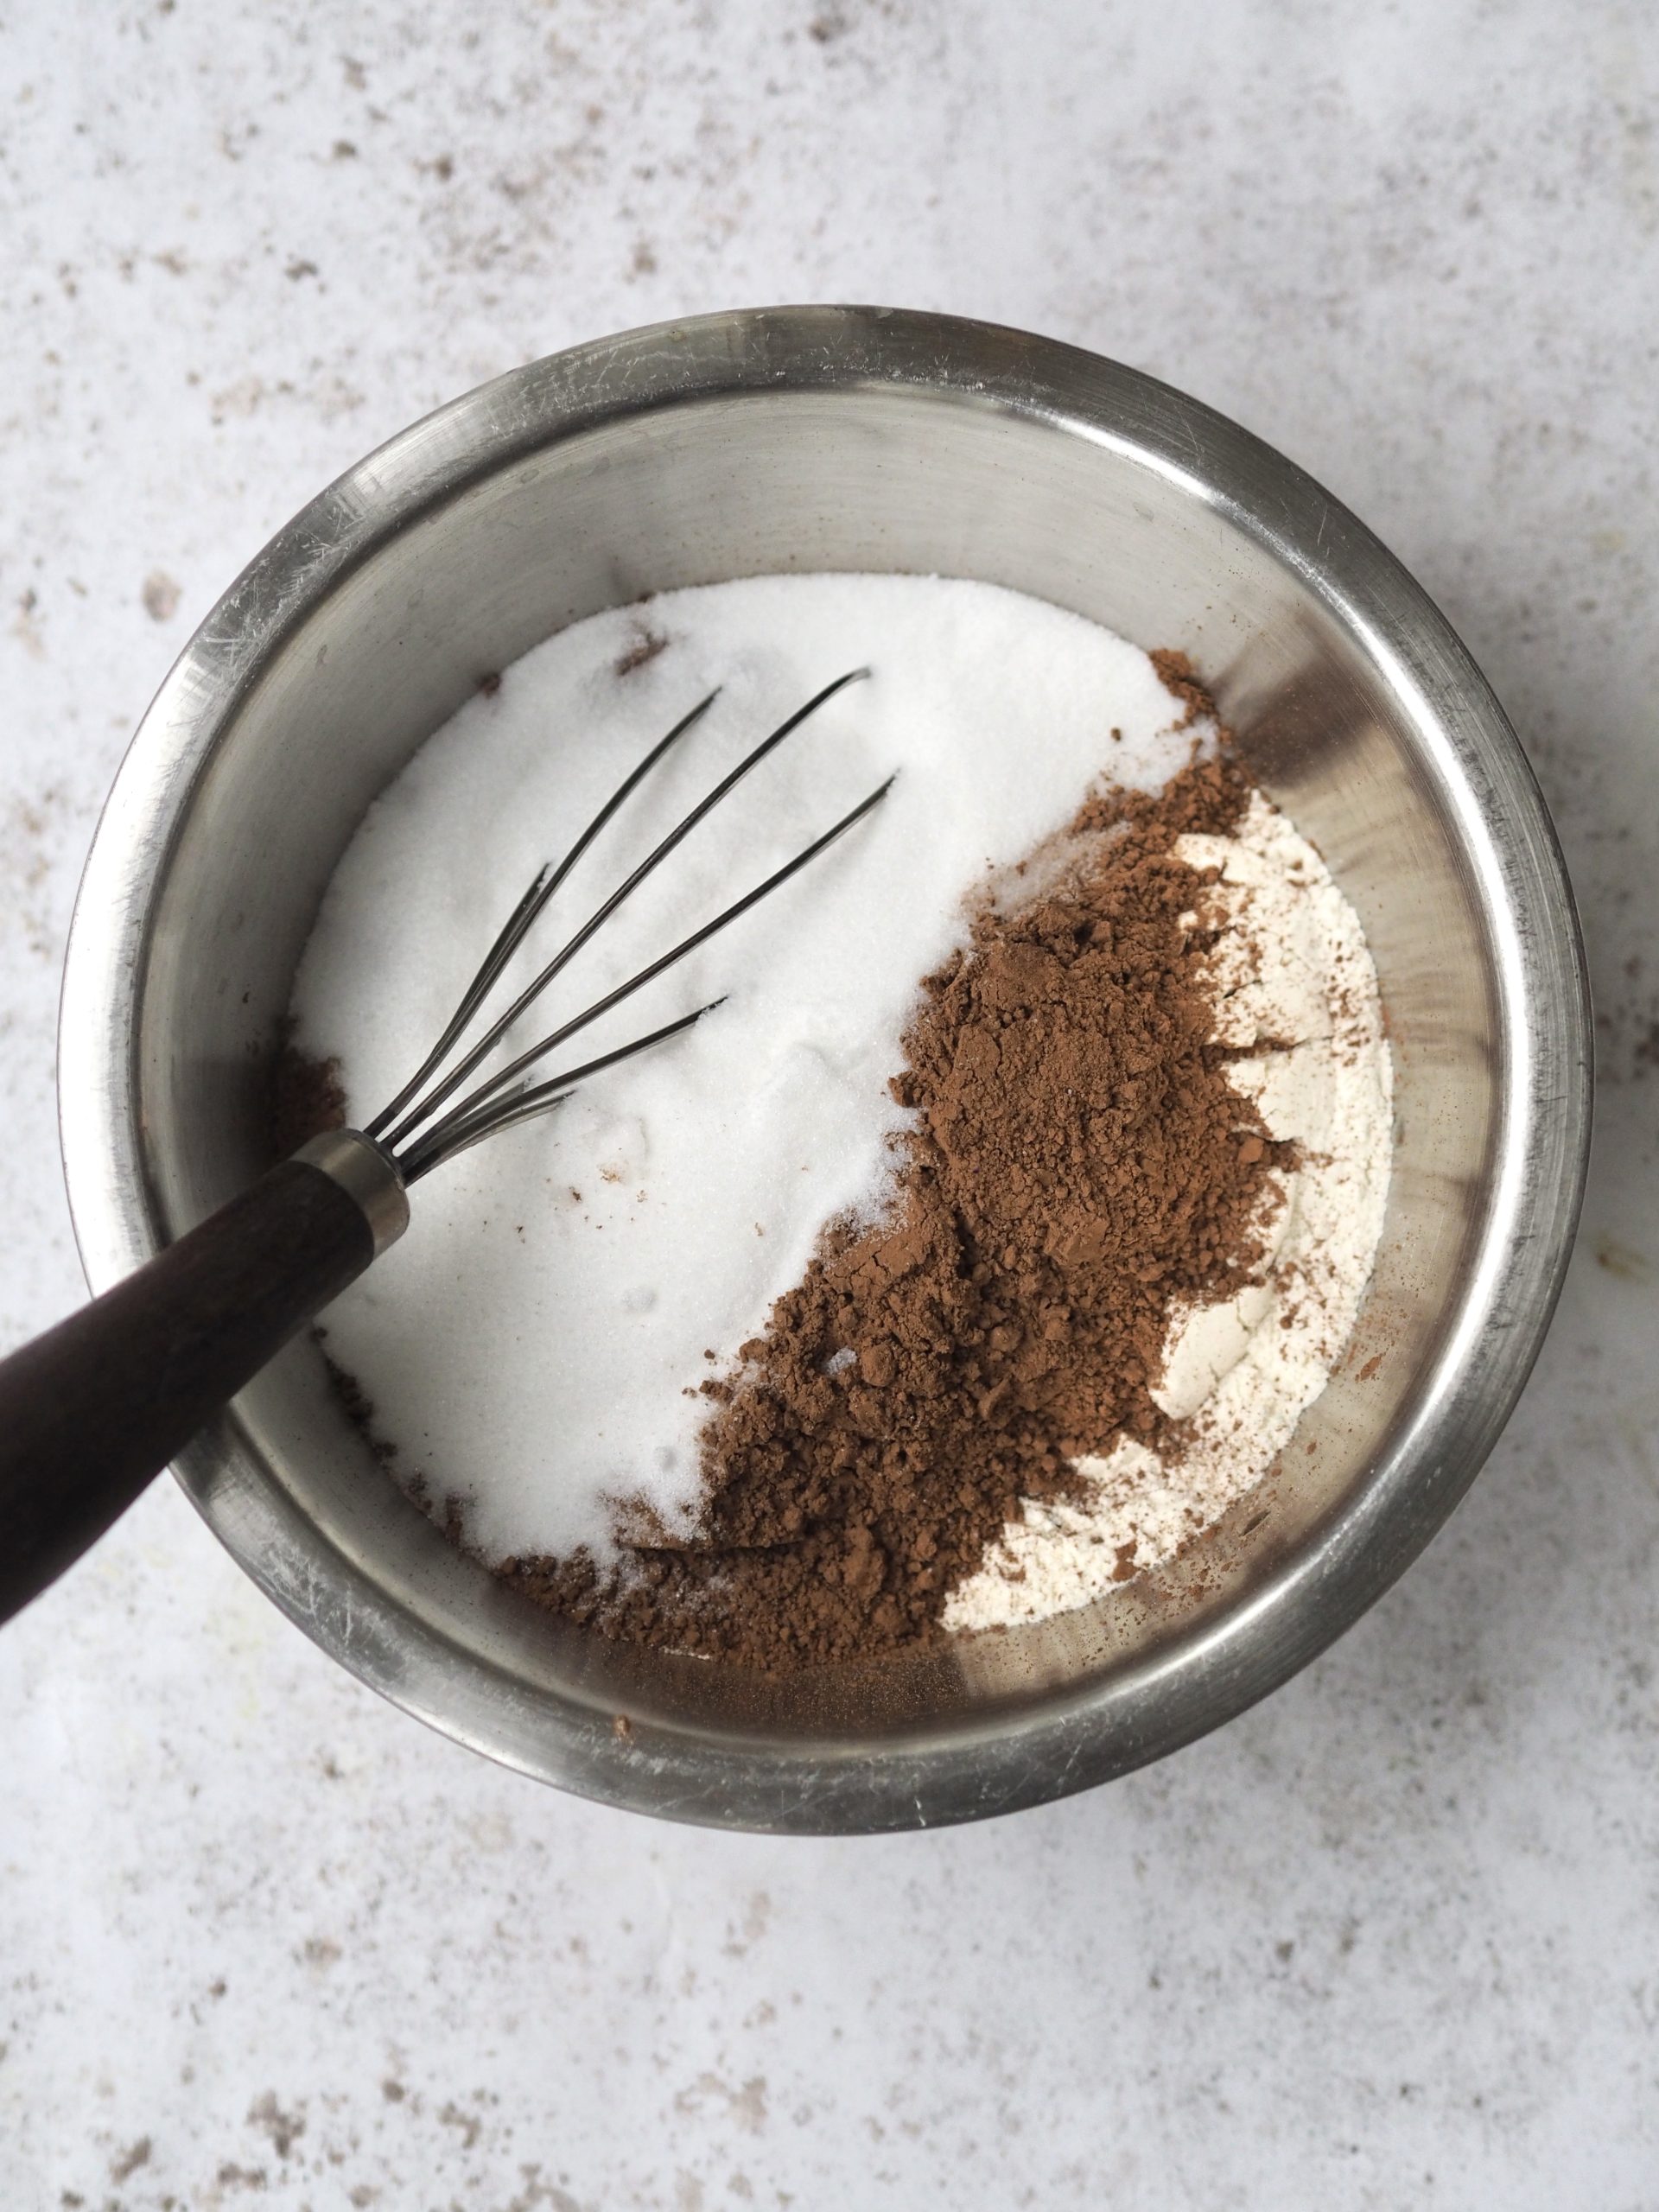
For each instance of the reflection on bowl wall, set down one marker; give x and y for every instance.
(852, 439)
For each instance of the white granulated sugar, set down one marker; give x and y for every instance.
(1291, 974)
(532, 1344)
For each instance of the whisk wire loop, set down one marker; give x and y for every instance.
(458, 1132)
(526, 914)
(493, 1087)
(406, 1127)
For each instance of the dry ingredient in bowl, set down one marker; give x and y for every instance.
(1284, 969)
(874, 1308)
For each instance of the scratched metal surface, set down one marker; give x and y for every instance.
(1388, 1939)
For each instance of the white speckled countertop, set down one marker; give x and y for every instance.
(1390, 1940)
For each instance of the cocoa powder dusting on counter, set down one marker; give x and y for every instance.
(1079, 1162)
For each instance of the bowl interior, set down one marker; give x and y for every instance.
(546, 499)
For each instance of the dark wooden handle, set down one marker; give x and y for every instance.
(96, 1407)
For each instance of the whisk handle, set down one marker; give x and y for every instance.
(93, 1410)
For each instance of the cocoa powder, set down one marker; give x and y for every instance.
(306, 1097)
(1079, 1162)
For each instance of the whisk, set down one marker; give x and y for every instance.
(92, 1411)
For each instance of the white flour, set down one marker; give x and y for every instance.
(1290, 971)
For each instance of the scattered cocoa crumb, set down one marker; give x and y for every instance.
(1177, 676)
(490, 684)
(645, 646)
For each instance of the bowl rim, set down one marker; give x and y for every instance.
(1540, 1153)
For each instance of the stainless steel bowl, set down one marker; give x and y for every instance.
(844, 438)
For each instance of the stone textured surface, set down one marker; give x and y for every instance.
(1392, 1938)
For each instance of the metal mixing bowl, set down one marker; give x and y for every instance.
(843, 438)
